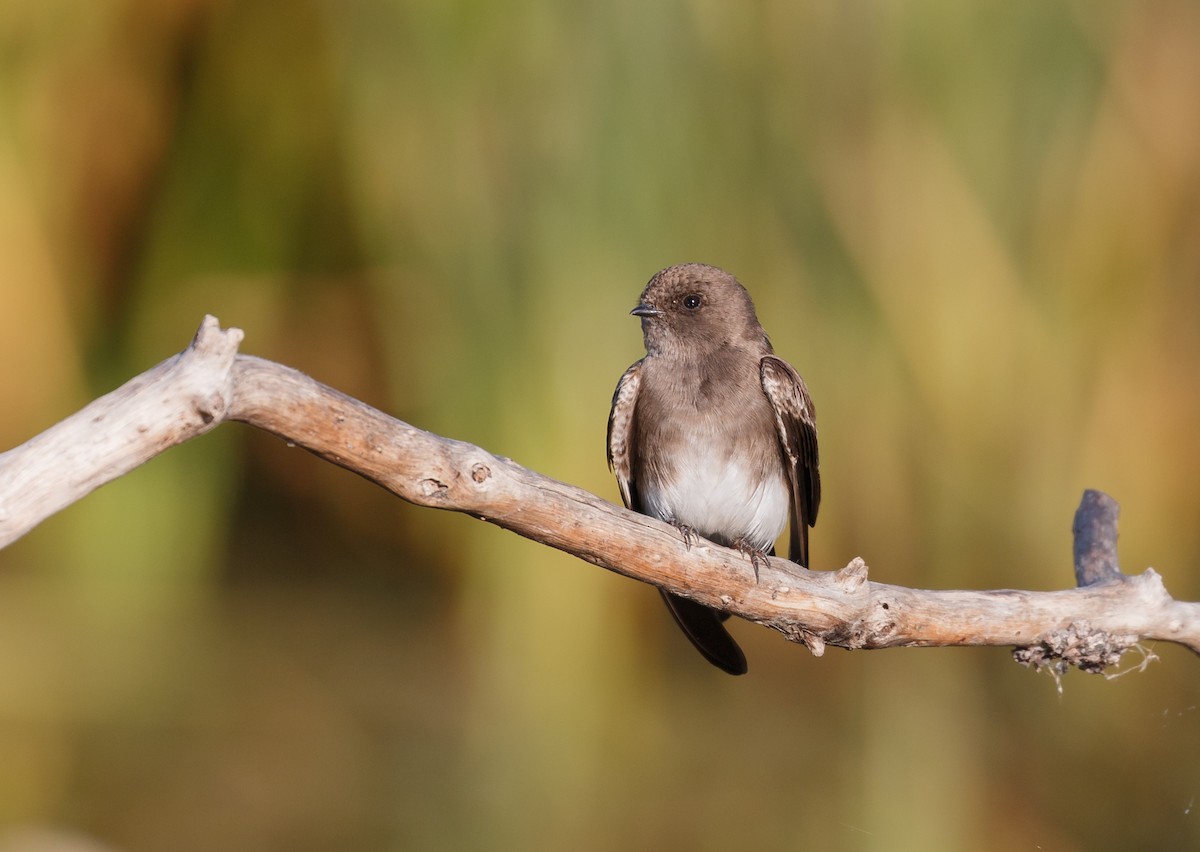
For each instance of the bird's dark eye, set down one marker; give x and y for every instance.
(692, 301)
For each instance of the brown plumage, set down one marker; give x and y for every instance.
(714, 433)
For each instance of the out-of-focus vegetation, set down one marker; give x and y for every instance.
(975, 228)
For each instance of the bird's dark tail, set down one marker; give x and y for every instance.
(704, 627)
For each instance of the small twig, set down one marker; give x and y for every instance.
(1095, 531)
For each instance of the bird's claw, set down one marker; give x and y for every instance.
(756, 556)
(689, 534)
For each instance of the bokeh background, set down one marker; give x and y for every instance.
(975, 228)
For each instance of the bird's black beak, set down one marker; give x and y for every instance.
(644, 310)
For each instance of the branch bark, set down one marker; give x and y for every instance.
(1089, 626)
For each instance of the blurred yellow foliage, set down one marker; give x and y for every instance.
(974, 227)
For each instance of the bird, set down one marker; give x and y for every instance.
(714, 434)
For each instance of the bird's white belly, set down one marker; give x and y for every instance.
(723, 501)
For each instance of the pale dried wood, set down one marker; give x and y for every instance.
(184, 396)
(189, 394)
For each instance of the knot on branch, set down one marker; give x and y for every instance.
(210, 407)
(1080, 645)
(795, 633)
(814, 643)
(851, 578)
(433, 489)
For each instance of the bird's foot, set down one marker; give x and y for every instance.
(689, 533)
(756, 556)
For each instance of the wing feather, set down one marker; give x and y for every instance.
(796, 425)
(620, 433)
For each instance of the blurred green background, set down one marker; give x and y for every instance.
(975, 228)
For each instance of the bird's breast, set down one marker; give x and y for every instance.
(724, 495)
(707, 452)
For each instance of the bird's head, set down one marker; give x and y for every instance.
(693, 308)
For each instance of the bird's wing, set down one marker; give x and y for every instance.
(796, 425)
(620, 433)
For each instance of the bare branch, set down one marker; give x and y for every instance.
(187, 395)
(184, 396)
